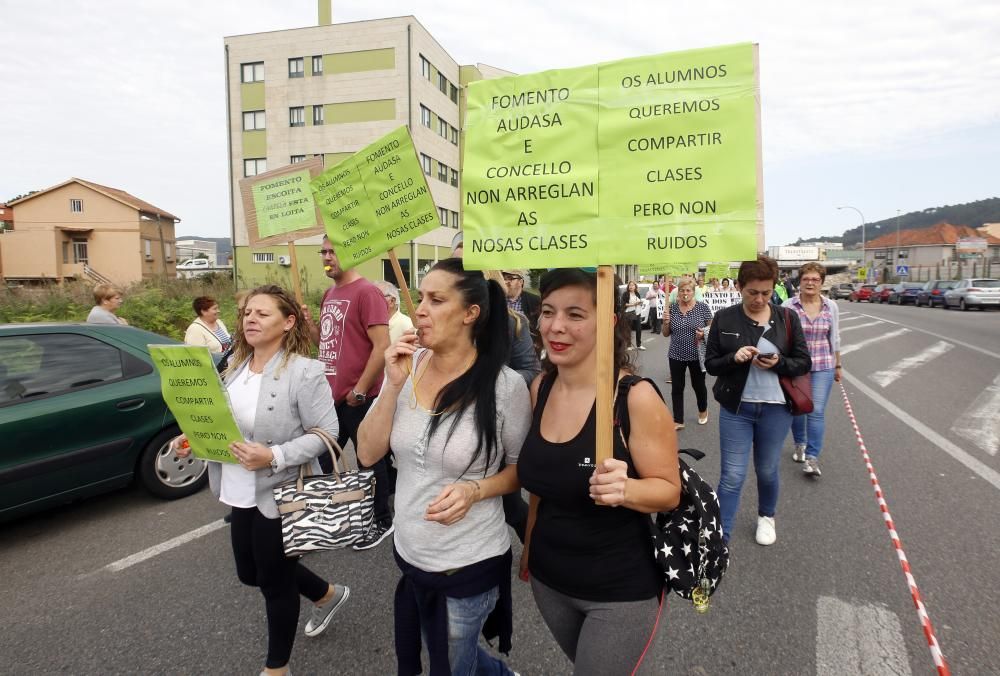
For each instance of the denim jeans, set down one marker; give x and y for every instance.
(808, 429)
(465, 622)
(760, 428)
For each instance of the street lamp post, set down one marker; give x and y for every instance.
(864, 260)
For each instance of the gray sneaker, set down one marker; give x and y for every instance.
(321, 615)
(811, 467)
(799, 454)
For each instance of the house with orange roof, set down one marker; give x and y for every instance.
(943, 250)
(83, 230)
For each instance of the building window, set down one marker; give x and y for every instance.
(425, 116)
(425, 67)
(443, 213)
(295, 67)
(76, 206)
(263, 258)
(317, 65)
(147, 245)
(443, 84)
(254, 166)
(297, 116)
(442, 172)
(317, 115)
(454, 178)
(297, 158)
(253, 72)
(454, 136)
(80, 251)
(453, 93)
(253, 120)
(443, 128)
(454, 219)
(425, 162)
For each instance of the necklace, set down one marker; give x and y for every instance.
(418, 376)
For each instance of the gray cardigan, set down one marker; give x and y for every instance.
(292, 400)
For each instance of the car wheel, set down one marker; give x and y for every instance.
(164, 474)
(962, 305)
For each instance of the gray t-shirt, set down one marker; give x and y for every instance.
(425, 466)
(99, 315)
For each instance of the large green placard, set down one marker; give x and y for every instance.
(194, 394)
(375, 200)
(646, 160)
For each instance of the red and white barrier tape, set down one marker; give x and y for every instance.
(925, 620)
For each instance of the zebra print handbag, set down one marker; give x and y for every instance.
(325, 511)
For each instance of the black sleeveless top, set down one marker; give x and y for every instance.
(578, 548)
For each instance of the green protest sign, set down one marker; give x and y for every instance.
(668, 269)
(194, 394)
(284, 204)
(646, 160)
(375, 200)
(717, 270)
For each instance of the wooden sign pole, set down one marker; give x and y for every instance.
(605, 359)
(404, 290)
(296, 284)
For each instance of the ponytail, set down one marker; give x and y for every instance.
(477, 386)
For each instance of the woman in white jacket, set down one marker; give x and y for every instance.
(208, 329)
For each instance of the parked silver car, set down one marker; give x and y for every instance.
(973, 292)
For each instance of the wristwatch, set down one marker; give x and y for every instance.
(274, 462)
(359, 396)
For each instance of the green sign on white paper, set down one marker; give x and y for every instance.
(284, 204)
(375, 200)
(646, 160)
(668, 269)
(194, 394)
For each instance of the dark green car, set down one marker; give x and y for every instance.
(81, 413)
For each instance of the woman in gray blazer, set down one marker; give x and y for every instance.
(277, 394)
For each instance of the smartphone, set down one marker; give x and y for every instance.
(766, 355)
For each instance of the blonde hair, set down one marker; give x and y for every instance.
(687, 281)
(103, 292)
(295, 341)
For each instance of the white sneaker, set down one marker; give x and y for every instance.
(765, 530)
(642, 347)
(799, 454)
(812, 467)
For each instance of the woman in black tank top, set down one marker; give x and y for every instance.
(588, 549)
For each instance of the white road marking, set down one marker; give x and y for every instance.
(858, 639)
(850, 318)
(865, 343)
(986, 473)
(988, 353)
(859, 326)
(894, 372)
(156, 550)
(980, 424)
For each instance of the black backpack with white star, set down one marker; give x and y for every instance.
(687, 541)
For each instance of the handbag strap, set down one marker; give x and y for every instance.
(332, 447)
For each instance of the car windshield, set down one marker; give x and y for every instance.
(912, 285)
(947, 284)
(986, 283)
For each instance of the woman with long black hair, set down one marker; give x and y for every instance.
(451, 411)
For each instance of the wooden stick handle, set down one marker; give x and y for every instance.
(404, 290)
(605, 359)
(296, 283)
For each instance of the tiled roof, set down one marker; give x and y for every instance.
(113, 193)
(940, 234)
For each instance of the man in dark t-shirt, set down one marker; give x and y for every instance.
(353, 335)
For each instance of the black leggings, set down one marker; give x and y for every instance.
(677, 368)
(637, 327)
(261, 562)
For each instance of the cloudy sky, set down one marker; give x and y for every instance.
(882, 105)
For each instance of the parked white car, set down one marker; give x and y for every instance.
(981, 293)
(195, 264)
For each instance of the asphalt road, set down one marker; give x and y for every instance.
(828, 598)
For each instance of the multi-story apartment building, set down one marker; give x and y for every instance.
(329, 90)
(83, 230)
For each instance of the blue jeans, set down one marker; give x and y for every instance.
(760, 428)
(808, 429)
(465, 622)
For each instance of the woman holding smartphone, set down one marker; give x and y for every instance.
(749, 346)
